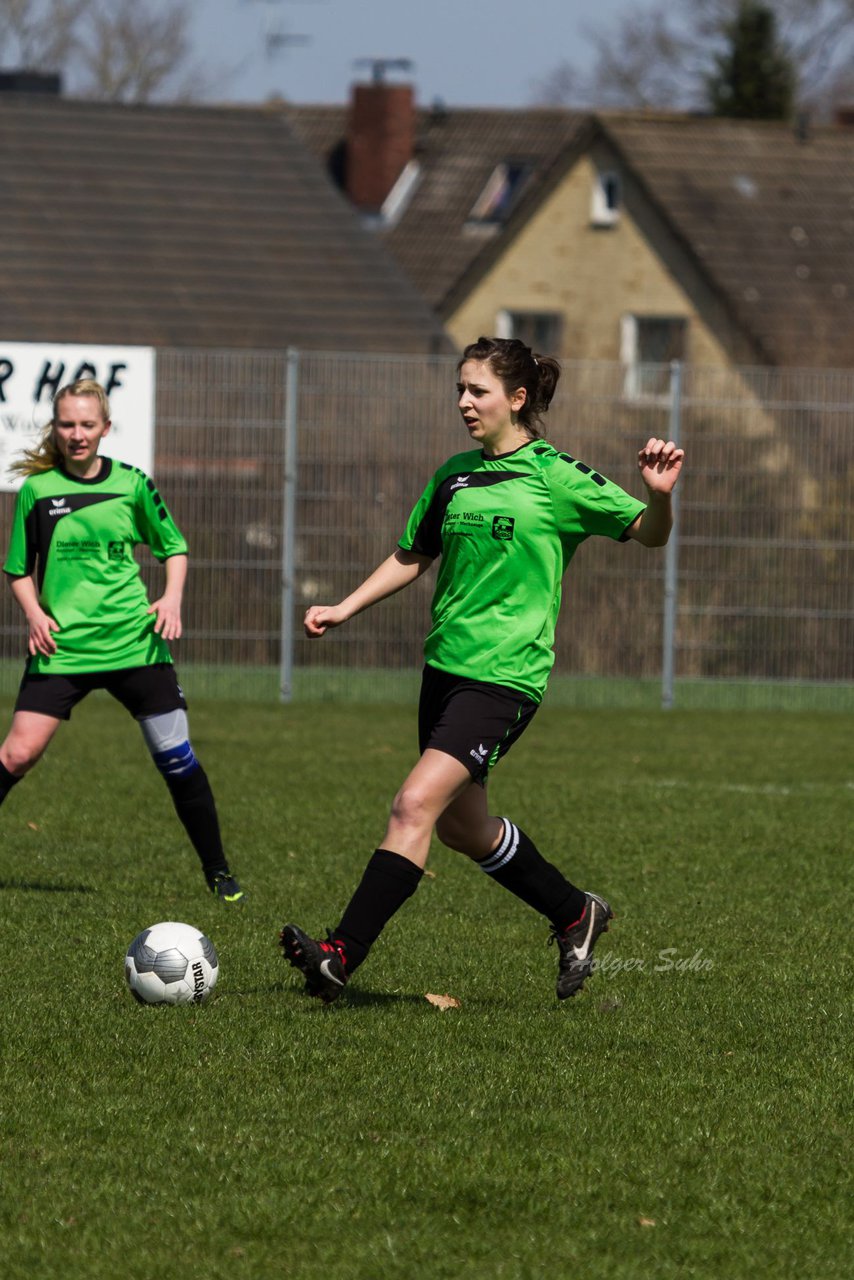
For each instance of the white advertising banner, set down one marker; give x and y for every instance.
(32, 372)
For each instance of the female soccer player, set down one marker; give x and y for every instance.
(71, 568)
(505, 519)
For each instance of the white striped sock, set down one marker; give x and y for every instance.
(507, 847)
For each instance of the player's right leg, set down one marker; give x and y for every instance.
(391, 876)
(25, 744)
(43, 702)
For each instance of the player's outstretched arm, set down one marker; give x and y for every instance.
(659, 464)
(39, 624)
(398, 571)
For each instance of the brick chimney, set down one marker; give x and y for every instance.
(380, 139)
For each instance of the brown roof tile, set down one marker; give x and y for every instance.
(768, 216)
(187, 226)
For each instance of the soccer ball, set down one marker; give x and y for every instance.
(171, 963)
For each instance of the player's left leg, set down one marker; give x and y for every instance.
(511, 859)
(167, 737)
(154, 697)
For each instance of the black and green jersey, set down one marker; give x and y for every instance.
(506, 529)
(77, 537)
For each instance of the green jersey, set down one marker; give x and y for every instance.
(77, 538)
(506, 529)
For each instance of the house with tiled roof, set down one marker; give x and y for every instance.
(759, 216)
(625, 237)
(187, 226)
(440, 192)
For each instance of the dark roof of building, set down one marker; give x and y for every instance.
(187, 226)
(765, 212)
(435, 239)
(769, 216)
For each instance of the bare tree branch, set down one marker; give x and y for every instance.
(118, 50)
(130, 54)
(662, 55)
(650, 62)
(40, 35)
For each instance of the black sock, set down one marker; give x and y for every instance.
(194, 804)
(7, 781)
(518, 865)
(388, 880)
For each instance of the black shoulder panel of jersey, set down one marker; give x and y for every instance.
(428, 535)
(583, 468)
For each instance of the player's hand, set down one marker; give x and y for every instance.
(659, 463)
(40, 639)
(320, 617)
(168, 622)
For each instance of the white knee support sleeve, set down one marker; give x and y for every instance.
(167, 738)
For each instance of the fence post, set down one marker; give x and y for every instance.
(671, 558)
(289, 494)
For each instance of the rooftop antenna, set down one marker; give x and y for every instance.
(380, 66)
(276, 40)
(275, 35)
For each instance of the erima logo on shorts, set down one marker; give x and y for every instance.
(480, 753)
(502, 528)
(59, 508)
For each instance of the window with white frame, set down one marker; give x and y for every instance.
(542, 331)
(606, 199)
(648, 345)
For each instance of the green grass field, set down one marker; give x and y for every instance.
(372, 685)
(689, 1115)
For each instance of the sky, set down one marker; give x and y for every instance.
(464, 52)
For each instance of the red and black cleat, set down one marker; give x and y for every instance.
(322, 963)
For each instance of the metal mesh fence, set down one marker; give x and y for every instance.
(292, 477)
(766, 537)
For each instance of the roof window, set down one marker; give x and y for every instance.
(497, 199)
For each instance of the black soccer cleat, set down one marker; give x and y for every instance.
(224, 886)
(576, 944)
(322, 963)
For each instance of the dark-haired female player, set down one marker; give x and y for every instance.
(71, 567)
(505, 519)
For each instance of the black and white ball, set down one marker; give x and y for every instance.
(171, 963)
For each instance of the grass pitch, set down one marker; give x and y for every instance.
(689, 1115)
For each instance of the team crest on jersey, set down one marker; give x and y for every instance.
(502, 528)
(116, 550)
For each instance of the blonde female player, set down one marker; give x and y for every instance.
(71, 569)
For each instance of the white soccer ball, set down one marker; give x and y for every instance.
(171, 963)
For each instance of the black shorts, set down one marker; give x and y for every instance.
(471, 720)
(144, 691)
